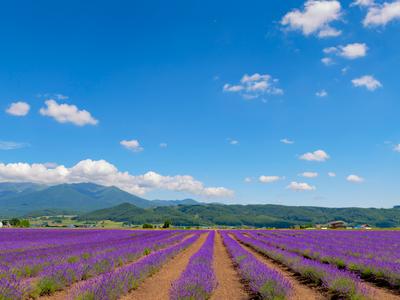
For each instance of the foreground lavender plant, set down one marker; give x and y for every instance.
(264, 282)
(112, 285)
(198, 280)
(341, 284)
(374, 255)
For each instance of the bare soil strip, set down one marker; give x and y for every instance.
(300, 291)
(65, 294)
(229, 286)
(157, 286)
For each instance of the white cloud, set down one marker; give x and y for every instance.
(248, 180)
(363, 3)
(331, 174)
(67, 113)
(350, 51)
(318, 155)
(18, 109)
(8, 145)
(254, 86)
(367, 81)
(327, 61)
(315, 18)
(163, 145)
(354, 178)
(382, 14)
(396, 148)
(309, 174)
(132, 145)
(269, 179)
(286, 141)
(104, 173)
(329, 32)
(321, 93)
(300, 186)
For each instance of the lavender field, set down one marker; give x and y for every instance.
(187, 264)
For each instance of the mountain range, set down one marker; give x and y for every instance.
(18, 199)
(95, 202)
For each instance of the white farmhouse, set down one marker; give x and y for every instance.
(1, 224)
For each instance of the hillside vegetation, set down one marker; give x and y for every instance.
(278, 216)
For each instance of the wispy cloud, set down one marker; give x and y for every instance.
(300, 186)
(8, 145)
(287, 141)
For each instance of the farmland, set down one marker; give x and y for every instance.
(52, 264)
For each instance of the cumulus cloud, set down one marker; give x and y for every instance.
(132, 145)
(354, 178)
(321, 93)
(18, 109)
(396, 148)
(67, 113)
(309, 174)
(331, 174)
(286, 141)
(163, 145)
(367, 81)
(105, 173)
(254, 86)
(318, 155)
(315, 18)
(269, 179)
(350, 51)
(300, 186)
(380, 15)
(8, 145)
(248, 180)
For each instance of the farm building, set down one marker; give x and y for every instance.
(337, 225)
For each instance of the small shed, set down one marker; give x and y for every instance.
(337, 224)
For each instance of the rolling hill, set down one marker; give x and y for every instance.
(251, 215)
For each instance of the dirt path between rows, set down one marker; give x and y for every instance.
(229, 286)
(300, 291)
(157, 286)
(66, 293)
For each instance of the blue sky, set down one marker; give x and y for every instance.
(229, 102)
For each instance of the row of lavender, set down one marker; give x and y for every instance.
(339, 284)
(198, 280)
(54, 263)
(373, 255)
(113, 285)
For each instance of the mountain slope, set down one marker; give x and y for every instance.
(79, 197)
